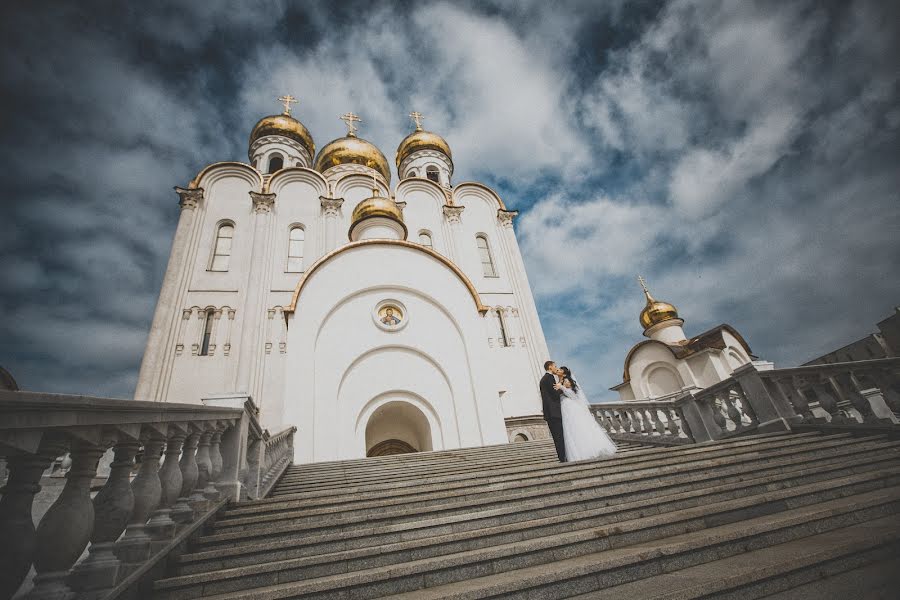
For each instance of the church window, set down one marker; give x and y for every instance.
(503, 338)
(207, 333)
(276, 162)
(520, 437)
(222, 251)
(295, 250)
(484, 252)
(425, 239)
(431, 172)
(411, 173)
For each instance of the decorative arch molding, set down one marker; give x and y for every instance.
(417, 401)
(347, 176)
(479, 306)
(220, 170)
(655, 367)
(626, 377)
(477, 190)
(390, 448)
(420, 184)
(284, 177)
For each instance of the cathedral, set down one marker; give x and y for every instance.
(377, 318)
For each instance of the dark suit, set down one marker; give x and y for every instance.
(553, 414)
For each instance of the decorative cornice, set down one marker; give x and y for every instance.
(452, 213)
(505, 217)
(330, 206)
(262, 203)
(189, 198)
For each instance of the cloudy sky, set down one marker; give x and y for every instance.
(742, 156)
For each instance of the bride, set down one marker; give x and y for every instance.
(584, 437)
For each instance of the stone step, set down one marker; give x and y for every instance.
(607, 504)
(615, 551)
(461, 501)
(555, 470)
(409, 476)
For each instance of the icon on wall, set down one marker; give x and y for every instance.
(390, 315)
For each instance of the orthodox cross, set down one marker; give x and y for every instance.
(349, 118)
(287, 101)
(643, 283)
(417, 117)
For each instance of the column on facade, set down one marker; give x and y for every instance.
(255, 292)
(452, 215)
(166, 305)
(330, 209)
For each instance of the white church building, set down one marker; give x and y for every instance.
(377, 319)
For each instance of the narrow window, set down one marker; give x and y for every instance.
(487, 261)
(207, 332)
(222, 250)
(295, 250)
(431, 173)
(504, 339)
(275, 163)
(425, 239)
(411, 173)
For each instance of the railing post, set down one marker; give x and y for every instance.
(66, 528)
(16, 525)
(134, 547)
(199, 501)
(182, 513)
(696, 416)
(772, 412)
(112, 507)
(161, 525)
(233, 449)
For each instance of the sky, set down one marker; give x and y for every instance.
(742, 156)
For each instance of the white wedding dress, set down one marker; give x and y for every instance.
(584, 437)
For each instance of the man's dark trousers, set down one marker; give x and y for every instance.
(556, 430)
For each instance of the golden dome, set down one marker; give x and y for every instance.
(421, 140)
(377, 206)
(352, 150)
(287, 126)
(656, 311)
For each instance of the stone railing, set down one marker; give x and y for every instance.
(268, 457)
(193, 460)
(852, 394)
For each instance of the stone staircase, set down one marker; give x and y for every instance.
(779, 515)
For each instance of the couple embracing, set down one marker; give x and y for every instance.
(576, 433)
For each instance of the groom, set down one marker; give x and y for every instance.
(552, 412)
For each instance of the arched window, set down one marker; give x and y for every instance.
(295, 250)
(503, 338)
(431, 172)
(222, 250)
(484, 252)
(520, 437)
(207, 333)
(411, 173)
(425, 239)
(276, 162)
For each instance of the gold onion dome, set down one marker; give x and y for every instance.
(656, 311)
(352, 150)
(287, 126)
(421, 140)
(377, 206)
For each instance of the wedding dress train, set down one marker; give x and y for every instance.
(584, 437)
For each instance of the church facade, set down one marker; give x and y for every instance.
(377, 319)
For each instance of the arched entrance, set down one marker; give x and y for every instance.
(396, 428)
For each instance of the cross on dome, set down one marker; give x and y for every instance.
(287, 101)
(349, 119)
(643, 283)
(417, 117)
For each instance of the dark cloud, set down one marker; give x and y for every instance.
(742, 156)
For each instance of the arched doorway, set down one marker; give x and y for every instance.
(397, 428)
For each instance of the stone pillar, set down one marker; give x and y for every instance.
(330, 209)
(234, 450)
(112, 508)
(134, 547)
(253, 309)
(66, 527)
(199, 501)
(772, 412)
(453, 214)
(182, 512)
(167, 304)
(696, 418)
(161, 526)
(16, 525)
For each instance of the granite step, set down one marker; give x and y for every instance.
(583, 560)
(665, 522)
(606, 503)
(457, 501)
(492, 477)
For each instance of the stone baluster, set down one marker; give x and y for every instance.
(182, 512)
(625, 415)
(715, 404)
(16, 525)
(66, 528)
(796, 399)
(734, 415)
(672, 422)
(828, 402)
(161, 525)
(134, 547)
(215, 458)
(606, 420)
(860, 403)
(199, 501)
(640, 422)
(657, 421)
(113, 504)
(843, 403)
